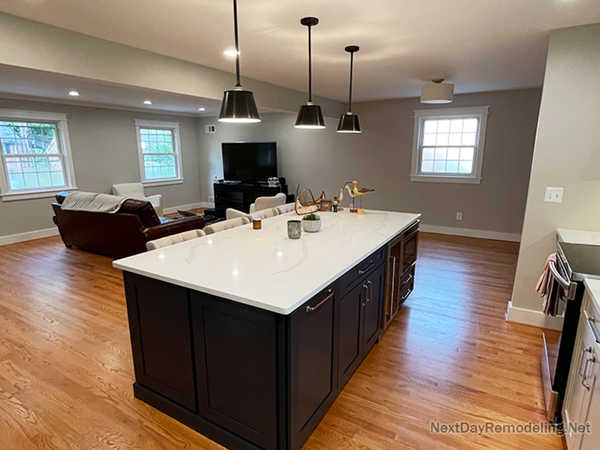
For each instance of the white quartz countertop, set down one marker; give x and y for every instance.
(578, 236)
(264, 268)
(592, 285)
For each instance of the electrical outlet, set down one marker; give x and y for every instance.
(211, 128)
(554, 194)
(458, 215)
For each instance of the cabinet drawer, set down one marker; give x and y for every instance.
(410, 243)
(360, 271)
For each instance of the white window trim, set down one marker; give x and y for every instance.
(421, 114)
(174, 126)
(64, 140)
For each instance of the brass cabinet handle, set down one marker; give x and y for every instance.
(583, 358)
(406, 294)
(592, 323)
(585, 367)
(318, 305)
(393, 289)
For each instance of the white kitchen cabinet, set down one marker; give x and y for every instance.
(582, 400)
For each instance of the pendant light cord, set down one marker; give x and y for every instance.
(350, 92)
(309, 67)
(237, 47)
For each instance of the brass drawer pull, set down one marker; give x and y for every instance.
(592, 323)
(318, 305)
(405, 296)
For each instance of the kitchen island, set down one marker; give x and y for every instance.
(248, 336)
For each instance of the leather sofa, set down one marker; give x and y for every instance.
(119, 234)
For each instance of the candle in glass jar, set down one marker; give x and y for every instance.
(256, 224)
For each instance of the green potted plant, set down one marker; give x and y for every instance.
(311, 223)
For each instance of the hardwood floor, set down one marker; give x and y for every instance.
(66, 369)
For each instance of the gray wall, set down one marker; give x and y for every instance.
(381, 156)
(567, 153)
(104, 148)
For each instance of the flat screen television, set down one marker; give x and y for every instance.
(249, 161)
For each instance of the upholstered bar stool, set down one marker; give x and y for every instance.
(226, 225)
(174, 239)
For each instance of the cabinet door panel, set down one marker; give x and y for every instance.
(236, 366)
(372, 308)
(349, 331)
(311, 363)
(159, 321)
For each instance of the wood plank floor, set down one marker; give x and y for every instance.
(66, 368)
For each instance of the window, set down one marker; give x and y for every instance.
(36, 159)
(159, 152)
(448, 144)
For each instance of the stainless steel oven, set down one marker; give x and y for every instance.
(573, 262)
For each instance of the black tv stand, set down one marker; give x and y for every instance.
(241, 195)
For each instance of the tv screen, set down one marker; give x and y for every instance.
(249, 161)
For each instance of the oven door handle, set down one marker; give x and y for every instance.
(568, 286)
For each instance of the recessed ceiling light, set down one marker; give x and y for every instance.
(230, 52)
(74, 93)
(147, 102)
(202, 108)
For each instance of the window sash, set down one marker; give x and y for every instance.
(60, 155)
(173, 128)
(420, 146)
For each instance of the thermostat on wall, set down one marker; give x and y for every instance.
(210, 128)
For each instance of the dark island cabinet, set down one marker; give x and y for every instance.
(312, 364)
(359, 321)
(246, 377)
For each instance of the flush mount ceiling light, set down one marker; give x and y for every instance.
(74, 93)
(348, 121)
(238, 104)
(309, 115)
(147, 102)
(231, 52)
(437, 92)
(202, 108)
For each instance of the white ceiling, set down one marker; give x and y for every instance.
(477, 44)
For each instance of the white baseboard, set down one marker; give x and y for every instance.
(28, 236)
(471, 232)
(532, 317)
(173, 209)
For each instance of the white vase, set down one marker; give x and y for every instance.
(311, 226)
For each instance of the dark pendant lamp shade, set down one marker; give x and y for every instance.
(310, 115)
(238, 104)
(349, 122)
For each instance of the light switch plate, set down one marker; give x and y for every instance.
(554, 194)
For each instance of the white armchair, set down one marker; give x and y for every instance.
(267, 202)
(136, 191)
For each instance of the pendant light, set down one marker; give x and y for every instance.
(437, 92)
(348, 121)
(310, 115)
(238, 104)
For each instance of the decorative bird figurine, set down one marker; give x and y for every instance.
(355, 192)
